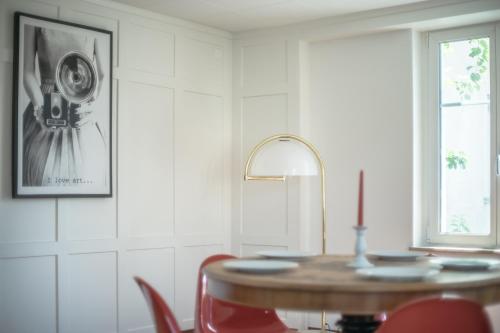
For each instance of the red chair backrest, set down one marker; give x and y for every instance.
(214, 315)
(438, 315)
(165, 321)
(201, 291)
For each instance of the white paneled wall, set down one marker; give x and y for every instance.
(68, 264)
(260, 110)
(199, 144)
(145, 131)
(264, 62)
(34, 295)
(361, 113)
(91, 291)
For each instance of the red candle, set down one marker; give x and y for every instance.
(360, 200)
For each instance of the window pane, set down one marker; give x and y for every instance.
(465, 138)
(465, 72)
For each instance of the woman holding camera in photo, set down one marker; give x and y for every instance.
(63, 144)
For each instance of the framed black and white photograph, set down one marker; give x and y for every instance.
(61, 109)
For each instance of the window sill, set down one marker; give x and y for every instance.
(449, 250)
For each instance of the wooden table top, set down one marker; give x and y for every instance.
(326, 283)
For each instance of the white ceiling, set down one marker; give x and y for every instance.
(240, 15)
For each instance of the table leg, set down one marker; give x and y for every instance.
(358, 324)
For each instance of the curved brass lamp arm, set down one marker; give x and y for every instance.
(315, 152)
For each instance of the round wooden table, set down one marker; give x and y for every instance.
(325, 283)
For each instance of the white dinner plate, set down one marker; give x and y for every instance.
(285, 254)
(467, 264)
(404, 274)
(259, 266)
(397, 255)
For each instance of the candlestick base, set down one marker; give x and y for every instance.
(360, 261)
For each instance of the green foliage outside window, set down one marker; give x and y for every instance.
(479, 51)
(456, 161)
(459, 224)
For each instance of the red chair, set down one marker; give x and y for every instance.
(165, 321)
(217, 316)
(438, 315)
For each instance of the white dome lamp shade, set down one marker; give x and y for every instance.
(281, 156)
(284, 157)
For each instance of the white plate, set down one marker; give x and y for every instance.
(397, 255)
(259, 266)
(397, 273)
(284, 254)
(467, 264)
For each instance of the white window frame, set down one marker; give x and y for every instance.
(431, 137)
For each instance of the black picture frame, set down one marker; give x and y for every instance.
(63, 147)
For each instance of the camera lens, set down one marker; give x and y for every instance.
(56, 112)
(77, 77)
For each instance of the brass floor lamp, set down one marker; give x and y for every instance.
(283, 155)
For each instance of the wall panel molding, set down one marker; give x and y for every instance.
(264, 63)
(130, 12)
(147, 49)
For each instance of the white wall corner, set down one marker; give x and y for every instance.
(418, 180)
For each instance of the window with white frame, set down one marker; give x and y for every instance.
(462, 136)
